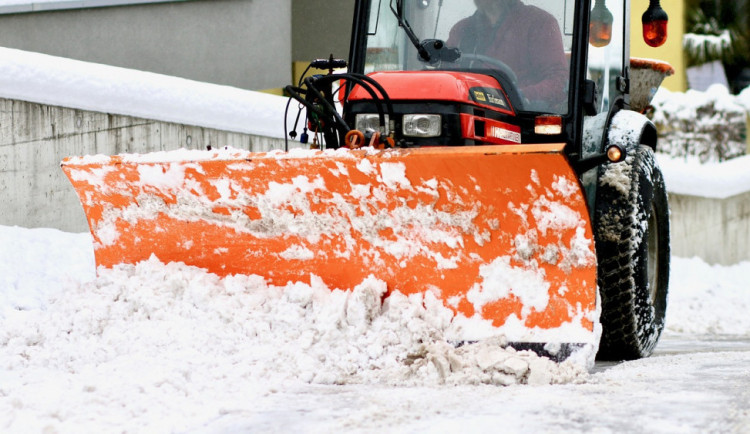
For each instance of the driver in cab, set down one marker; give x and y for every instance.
(525, 38)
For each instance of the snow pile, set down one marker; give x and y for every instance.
(708, 300)
(174, 344)
(716, 180)
(709, 125)
(743, 98)
(166, 348)
(300, 331)
(37, 262)
(71, 83)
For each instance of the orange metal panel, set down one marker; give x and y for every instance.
(495, 231)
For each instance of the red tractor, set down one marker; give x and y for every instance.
(497, 163)
(481, 72)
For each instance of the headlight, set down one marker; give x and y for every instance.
(422, 125)
(368, 121)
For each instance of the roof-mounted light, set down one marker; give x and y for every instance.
(654, 24)
(600, 25)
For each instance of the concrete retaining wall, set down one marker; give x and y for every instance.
(716, 230)
(34, 138)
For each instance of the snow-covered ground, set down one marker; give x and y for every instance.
(167, 348)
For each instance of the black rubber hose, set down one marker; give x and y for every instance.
(337, 117)
(380, 89)
(296, 93)
(367, 87)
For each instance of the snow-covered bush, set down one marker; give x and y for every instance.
(710, 125)
(705, 48)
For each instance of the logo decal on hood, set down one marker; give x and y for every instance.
(488, 96)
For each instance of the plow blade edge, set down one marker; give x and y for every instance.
(500, 234)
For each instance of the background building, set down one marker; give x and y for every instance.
(233, 42)
(250, 44)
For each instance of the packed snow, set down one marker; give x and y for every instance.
(170, 348)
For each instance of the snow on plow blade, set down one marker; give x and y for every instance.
(500, 234)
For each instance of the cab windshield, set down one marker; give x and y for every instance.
(525, 44)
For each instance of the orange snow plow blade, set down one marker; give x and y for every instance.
(500, 234)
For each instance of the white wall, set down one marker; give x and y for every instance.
(34, 138)
(714, 229)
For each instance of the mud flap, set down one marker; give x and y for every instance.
(500, 234)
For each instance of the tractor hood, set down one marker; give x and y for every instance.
(444, 86)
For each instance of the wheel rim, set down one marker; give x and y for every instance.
(652, 238)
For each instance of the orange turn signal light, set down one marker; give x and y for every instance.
(615, 153)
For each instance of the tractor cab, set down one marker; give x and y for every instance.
(490, 72)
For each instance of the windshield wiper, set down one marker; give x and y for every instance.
(399, 13)
(430, 50)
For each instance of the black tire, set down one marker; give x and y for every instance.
(632, 244)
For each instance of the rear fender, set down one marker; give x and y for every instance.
(630, 129)
(625, 128)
